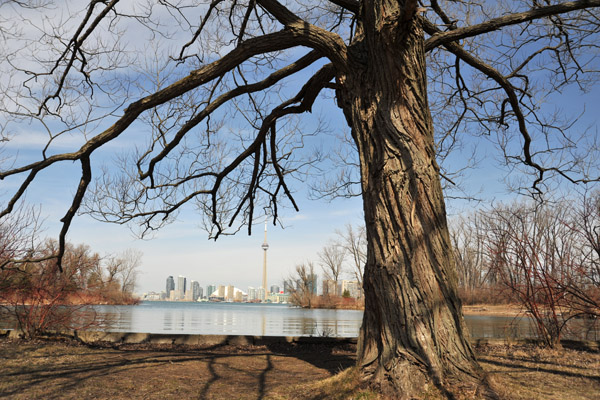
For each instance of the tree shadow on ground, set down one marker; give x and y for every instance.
(520, 365)
(220, 372)
(330, 357)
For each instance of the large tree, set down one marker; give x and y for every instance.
(220, 104)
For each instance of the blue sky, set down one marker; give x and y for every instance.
(182, 248)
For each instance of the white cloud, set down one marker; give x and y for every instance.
(37, 140)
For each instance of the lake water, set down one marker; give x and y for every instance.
(283, 320)
(230, 319)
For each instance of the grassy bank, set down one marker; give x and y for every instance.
(69, 370)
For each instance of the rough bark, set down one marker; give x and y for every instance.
(413, 334)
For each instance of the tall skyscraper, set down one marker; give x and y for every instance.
(265, 247)
(181, 286)
(196, 290)
(170, 286)
(274, 289)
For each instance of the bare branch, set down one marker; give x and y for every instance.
(513, 100)
(441, 38)
(351, 5)
(238, 91)
(86, 177)
(74, 47)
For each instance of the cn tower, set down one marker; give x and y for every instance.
(265, 247)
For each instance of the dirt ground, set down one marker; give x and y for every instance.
(68, 370)
(531, 372)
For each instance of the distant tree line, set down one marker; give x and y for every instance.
(543, 256)
(34, 293)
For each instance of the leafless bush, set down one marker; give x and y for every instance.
(303, 285)
(540, 255)
(42, 298)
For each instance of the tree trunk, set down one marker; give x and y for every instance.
(413, 334)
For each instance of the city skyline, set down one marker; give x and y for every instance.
(240, 255)
(227, 292)
(319, 285)
(210, 287)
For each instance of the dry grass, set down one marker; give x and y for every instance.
(67, 370)
(531, 372)
(342, 386)
(518, 372)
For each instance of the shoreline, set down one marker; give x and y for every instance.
(198, 340)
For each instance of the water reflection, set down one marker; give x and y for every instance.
(499, 327)
(234, 319)
(279, 320)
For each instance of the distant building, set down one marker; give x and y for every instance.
(274, 289)
(196, 290)
(181, 286)
(151, 296)
(218, 294)
(278, 297)
(238, 296)
(260, 294)
(287, 287)
(230, 295)
(353, 289)
(252, 294)
(170, 286)
(312, 283)
(283, 298)
(210, 289)
(330, 288)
